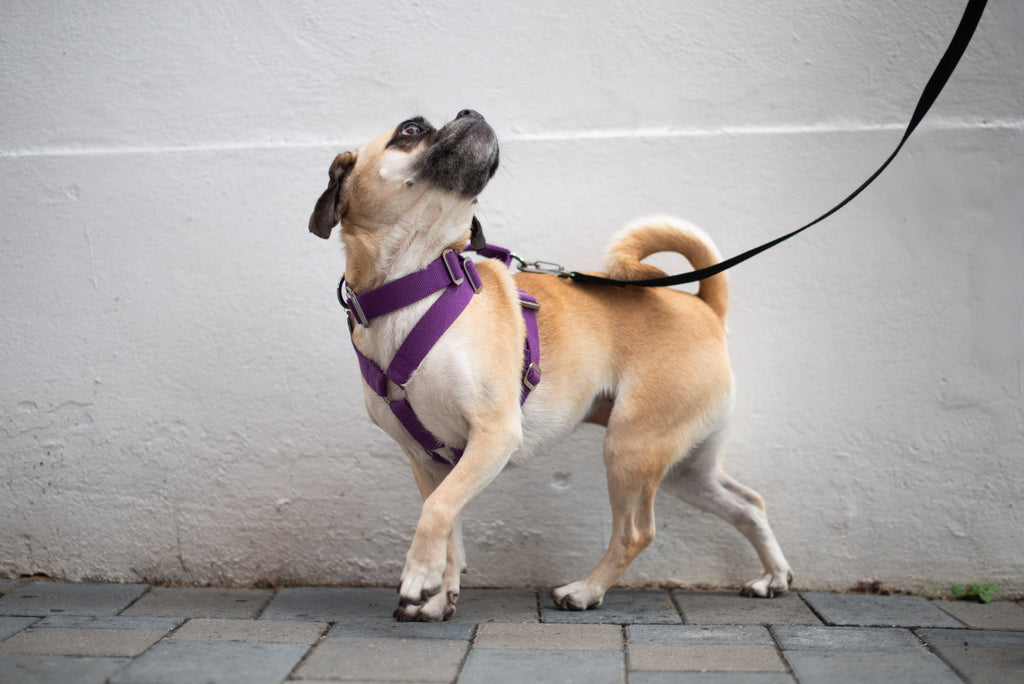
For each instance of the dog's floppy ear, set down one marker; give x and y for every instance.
(330, 207)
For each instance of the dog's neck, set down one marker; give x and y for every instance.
(374, 256)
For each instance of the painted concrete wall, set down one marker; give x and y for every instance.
(178, 398)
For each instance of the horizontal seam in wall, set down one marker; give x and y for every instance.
(552, 136)
(740, 131)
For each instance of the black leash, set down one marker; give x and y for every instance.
(945, 68)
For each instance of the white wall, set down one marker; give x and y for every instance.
(178, 397)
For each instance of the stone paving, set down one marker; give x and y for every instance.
(136, 634)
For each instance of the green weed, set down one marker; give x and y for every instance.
(976, 592)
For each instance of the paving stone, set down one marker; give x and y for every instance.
(698, 634)
(859, 654)
(35, 669)
(855, 639)
(272, 631)
(487, 666)
(212, 662)
(620, 607)
(920, 667)
(549, 637)
(878, 611)
(710, 678)
(13, 625)
(317, 604)
(114, 643)
(980, 656)
(704, 658)
(497, 605)
(201, 603)
(972, 638)
(729, 608)
(696, 648)
(8, 585)
(117, 622)
(388, 627)
(398, 660)
(46, 598)
(998, 615)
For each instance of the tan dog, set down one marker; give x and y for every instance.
(649, 364)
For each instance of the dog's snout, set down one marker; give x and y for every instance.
(462, 156)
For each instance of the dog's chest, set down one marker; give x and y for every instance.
(438, 389)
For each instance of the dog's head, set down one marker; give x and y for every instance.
(412, 171)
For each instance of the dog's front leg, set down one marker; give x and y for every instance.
(435, 557)
(429, 474)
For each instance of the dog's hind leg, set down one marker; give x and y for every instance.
(635, 467)
(699, 481)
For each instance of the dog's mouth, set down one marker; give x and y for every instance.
(463, 156)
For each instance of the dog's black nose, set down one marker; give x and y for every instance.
(468, 112)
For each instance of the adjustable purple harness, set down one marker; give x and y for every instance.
(457, 276)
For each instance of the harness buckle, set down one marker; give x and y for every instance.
(350, 301)
(456, 279)
(530, 303)
(469, 268)
(532, 371)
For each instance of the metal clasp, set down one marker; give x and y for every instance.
(550, 267)
(469, 268)
(350, 301)
(456, 279)
(531, 370)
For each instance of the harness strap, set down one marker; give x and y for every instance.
(402, 409)
(428, 330)
(490, 251)
(461, 281)
(450, 269)
(531, 349)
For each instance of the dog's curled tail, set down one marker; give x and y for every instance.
(645, 237)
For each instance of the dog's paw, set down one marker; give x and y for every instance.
(421, 581)
(768, 585)
(437, 608)
(576, 596)
(418, 591)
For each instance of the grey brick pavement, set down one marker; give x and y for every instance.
(134, 634)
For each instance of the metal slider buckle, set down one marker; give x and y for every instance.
(469, 268)
(456, 279)
(526, 376)
(529, 303)
(351, 302)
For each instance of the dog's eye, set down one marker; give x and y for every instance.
(411, 129)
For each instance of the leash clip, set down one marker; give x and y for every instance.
(549, 267)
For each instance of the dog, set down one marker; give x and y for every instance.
(649, 364)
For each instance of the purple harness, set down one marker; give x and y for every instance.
(457, 276)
